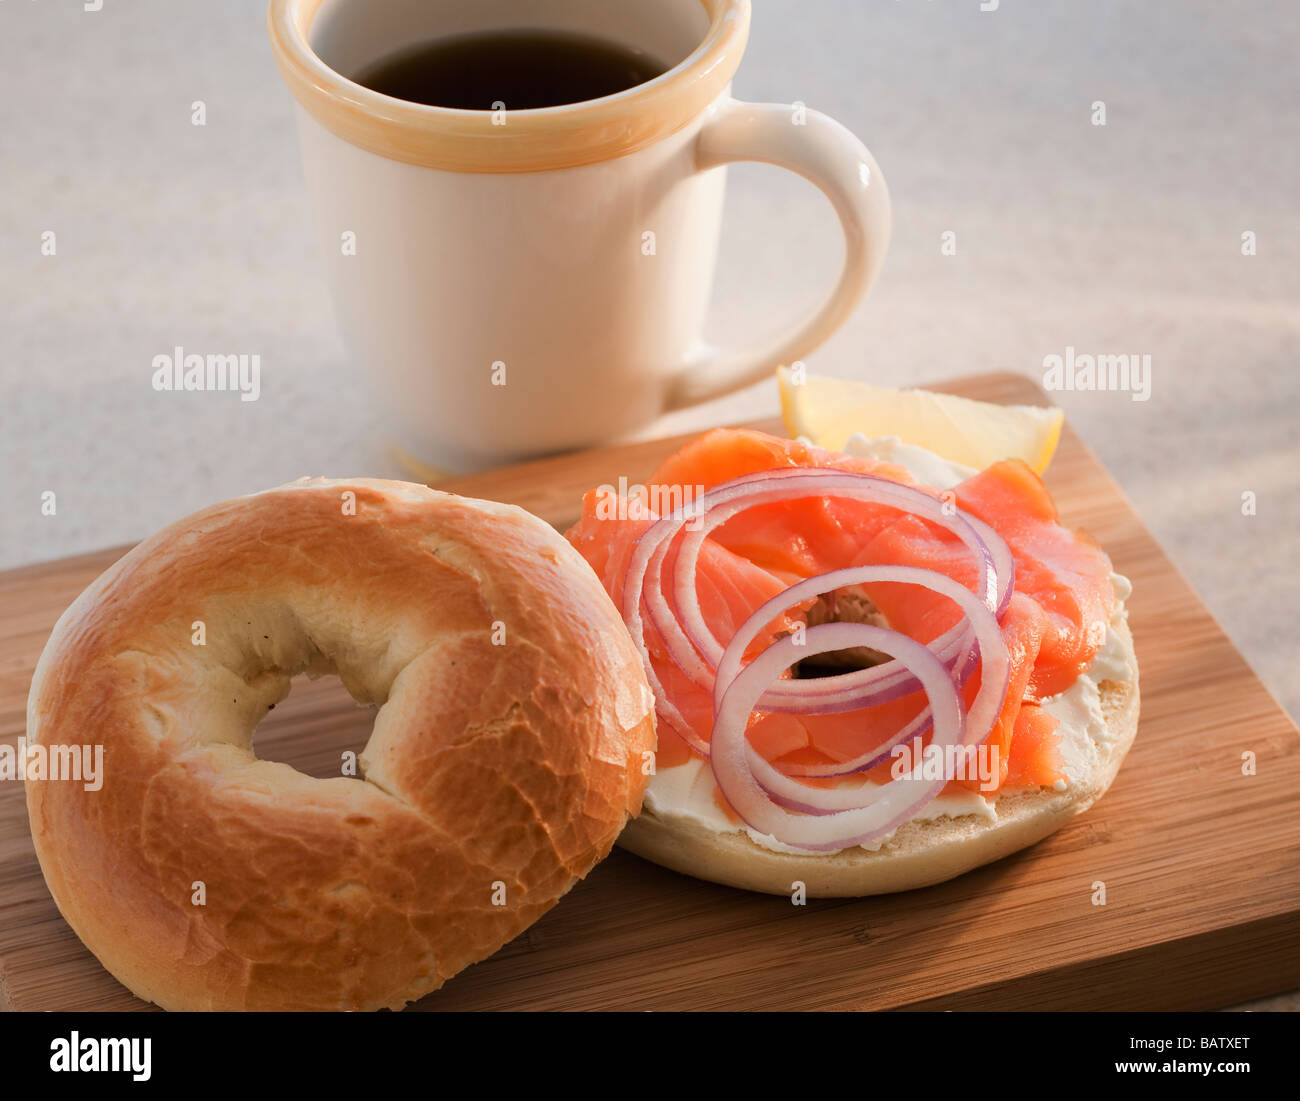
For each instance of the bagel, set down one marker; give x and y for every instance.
(507, 753)
(1088, 711)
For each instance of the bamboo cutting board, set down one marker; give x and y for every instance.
(1201, 863)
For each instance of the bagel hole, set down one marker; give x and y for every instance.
(313, 727)
(847, 605)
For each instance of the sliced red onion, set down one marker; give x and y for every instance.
(737, 767)
(991, 647)
(890, 682)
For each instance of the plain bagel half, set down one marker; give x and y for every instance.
(506, 756)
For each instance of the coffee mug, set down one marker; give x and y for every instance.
(523, 282)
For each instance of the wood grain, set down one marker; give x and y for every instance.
(1201, 864)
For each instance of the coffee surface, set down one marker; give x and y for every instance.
(521, 69)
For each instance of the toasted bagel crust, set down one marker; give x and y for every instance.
(919, 853)
(505, 758)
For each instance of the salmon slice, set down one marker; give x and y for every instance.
(729, 588)
(1037, 757)
(790, 539)
(1023, 627)
(1053, 627)
(1066, 572)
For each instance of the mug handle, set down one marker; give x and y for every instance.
(827, 154)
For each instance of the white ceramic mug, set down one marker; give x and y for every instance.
(524, 282)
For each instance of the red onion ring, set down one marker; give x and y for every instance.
(887, 806)
(995, 678)
(848, 690)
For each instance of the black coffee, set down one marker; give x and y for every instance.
(519, 68)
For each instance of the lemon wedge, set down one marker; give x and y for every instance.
(975, 433)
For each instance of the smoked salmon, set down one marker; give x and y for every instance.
(1053, 625)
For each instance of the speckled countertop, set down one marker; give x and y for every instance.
(1122, 238)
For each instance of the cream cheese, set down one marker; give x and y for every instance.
(1083, 731)
(686, 791)
(925, 466)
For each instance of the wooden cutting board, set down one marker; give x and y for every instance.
(1201, 864)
